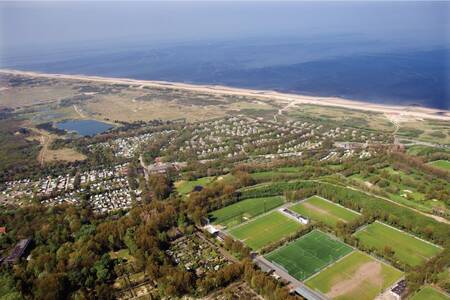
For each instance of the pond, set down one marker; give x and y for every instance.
(84, 127)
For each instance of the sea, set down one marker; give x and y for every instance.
(381, 52)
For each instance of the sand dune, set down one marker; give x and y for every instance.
(401, 113)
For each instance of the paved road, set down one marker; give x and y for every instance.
(293, 283)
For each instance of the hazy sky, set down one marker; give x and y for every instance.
(28, 25)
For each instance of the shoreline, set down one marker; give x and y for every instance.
(397, 112)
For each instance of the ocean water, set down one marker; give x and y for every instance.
(385, 52)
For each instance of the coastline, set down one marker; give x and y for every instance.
(396, 112)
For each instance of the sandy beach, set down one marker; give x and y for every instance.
(393, 112)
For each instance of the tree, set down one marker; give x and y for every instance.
(160, 185)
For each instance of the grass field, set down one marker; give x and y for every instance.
(442, 164)
(408, 249)
(241, 211)
(185, 187)
(429, 293)
(309, 254)
(322, 210)
(264, 230)
(356, 276)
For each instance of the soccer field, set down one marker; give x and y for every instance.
(443, 164)
(308, 254)
(429, 293)
(241, 211)
(325, 211)
(356, 276)
(264, 230)
(408, 249)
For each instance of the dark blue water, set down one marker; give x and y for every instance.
(385, 52)
(84, 127)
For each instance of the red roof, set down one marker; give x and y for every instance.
(2, 229)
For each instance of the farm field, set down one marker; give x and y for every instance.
(241, 211)
(356, 276)
(429, 293)
(309, 254)
(264, 230)
(325, 211)
(408, 250)
(185, 187)
(442, 164)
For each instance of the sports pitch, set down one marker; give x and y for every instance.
(264, 230)
(308, 254)
(443, 164)
(429, 293)
(325, 211)
(356, 276)
(243, 210)
(408, 249)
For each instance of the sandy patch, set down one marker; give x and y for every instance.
(370, 271)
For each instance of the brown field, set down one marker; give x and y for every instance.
(47, 155)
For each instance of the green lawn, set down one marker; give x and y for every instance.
(185, 187)
(356, 276)
(241, 211)
(408, 249)
(429, 293)
(309, 254)
(325, 211)
(264, 230)
(442, 164)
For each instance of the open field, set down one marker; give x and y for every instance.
(241, 211)
(429, 293)
(264, 230)
(356, 276)
(309, 254)
(442, 164)
(185, 187)
(47, 155)
(342, 117)
(434, 131)
(408, 249)
(324, 211)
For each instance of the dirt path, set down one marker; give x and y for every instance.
(370, 271)
(79, 112)
(280, 111)
(45, 141)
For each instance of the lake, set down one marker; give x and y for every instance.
(84, 127)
